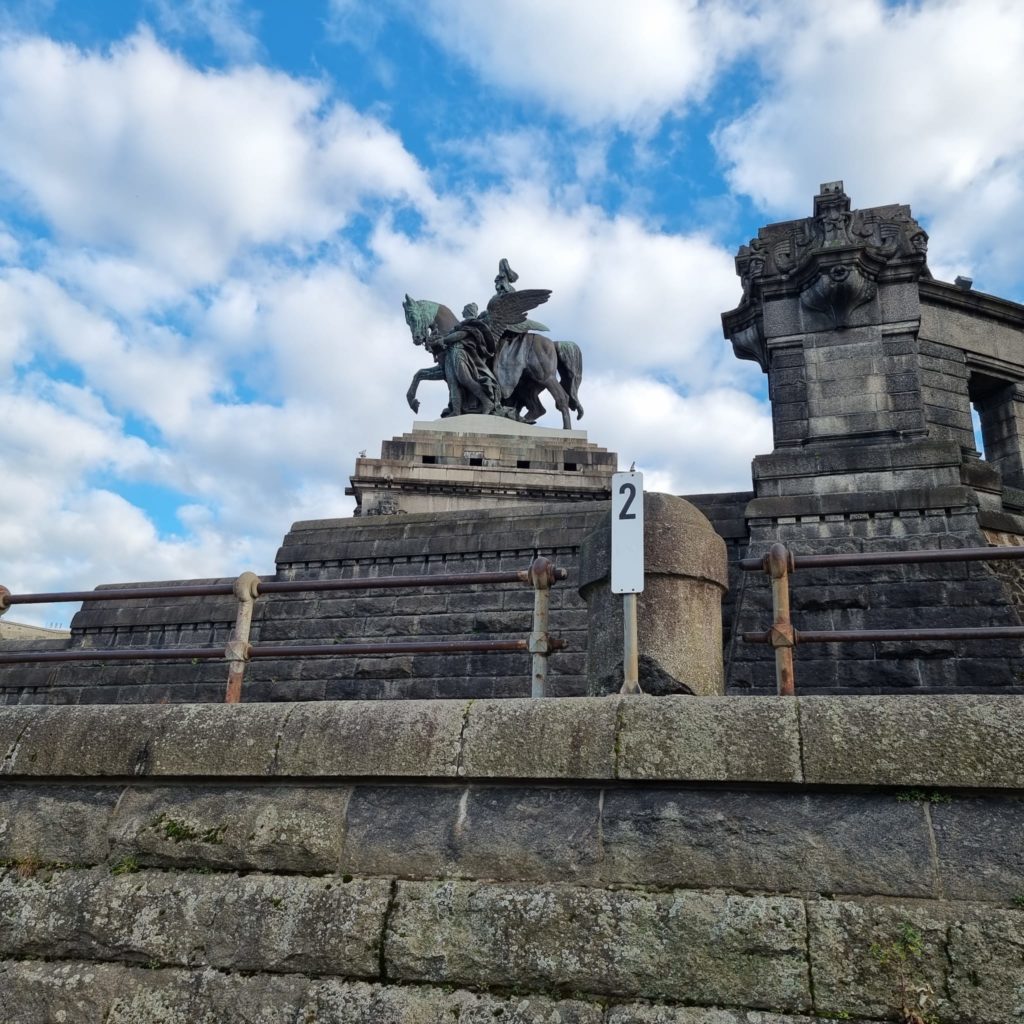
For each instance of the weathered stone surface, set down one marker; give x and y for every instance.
(372, 738)
(848, 977)
(186, 740)
(257, 922)
(321, 738)
(713, 738)
(355, 1003)
(817, 842)
(636, 1014)
(94, 993)
(531, 739)
(979, 846)
(968, 741)
(968, 959)
(705, 948)
(287, 828)
(986, 976)
(531, 833)
(516, 833)
(64, 824)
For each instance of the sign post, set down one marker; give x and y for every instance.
(628, 565)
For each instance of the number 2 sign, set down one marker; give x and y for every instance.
(627, 533)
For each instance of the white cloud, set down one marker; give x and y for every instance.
(684, 445)
(230, 28)
(153, 374)
(599, 60)
(631, 296)
(180, 292)
(140, 153)
(914, 103)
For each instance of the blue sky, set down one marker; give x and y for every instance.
(210, 211)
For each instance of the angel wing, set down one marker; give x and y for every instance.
(508, 309)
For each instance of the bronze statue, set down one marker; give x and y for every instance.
(495, 364)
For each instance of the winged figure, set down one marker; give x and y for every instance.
(493, 362)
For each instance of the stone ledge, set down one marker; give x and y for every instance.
(968, 741)
(34, 992)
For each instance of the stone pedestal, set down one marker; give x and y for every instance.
(679, 611)
(480, 462)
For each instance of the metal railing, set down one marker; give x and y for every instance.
(541, 575)
(779, 562)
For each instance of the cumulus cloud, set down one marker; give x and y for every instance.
(914, 103)
(684, 444)
(630, 295)
(229, 27)
(197, 324)
(599, 60)
(138, 152)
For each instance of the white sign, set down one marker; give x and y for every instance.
(627, 533)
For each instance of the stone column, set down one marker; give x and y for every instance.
(680, 609)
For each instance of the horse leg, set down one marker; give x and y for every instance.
(561, 399)
(534, 407)
(431, 373)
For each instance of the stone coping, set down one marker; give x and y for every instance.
(471, 424)
(971, 741)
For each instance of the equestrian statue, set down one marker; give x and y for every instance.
(496, 363)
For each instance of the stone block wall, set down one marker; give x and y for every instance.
(596, 861)
(455, 542)
(942, 595)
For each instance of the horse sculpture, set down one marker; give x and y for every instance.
(501, 381)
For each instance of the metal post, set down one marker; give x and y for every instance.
(246, 590)
(630, 654)
(778, 563)
(5, 599)
(541, 575)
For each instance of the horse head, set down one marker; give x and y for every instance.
(420, 314)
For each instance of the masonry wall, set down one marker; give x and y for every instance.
(937, 596)
(592, 861)
(428, 544)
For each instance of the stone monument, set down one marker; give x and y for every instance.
(873, 366)
(486, 450)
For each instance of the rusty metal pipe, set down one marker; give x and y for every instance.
(777, 563)
(269, 651)
(927, 555)
(246, 589)
(410, 647)
(818, 636)
(125, 594)
(542, 575)
(276, 587)
(388, 582)
(114, 654)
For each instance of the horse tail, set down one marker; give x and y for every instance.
(570, 372)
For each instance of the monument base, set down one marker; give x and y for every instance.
(480, 462)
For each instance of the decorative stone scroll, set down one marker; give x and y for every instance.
(832, 260)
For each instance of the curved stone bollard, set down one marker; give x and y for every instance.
(679, 611)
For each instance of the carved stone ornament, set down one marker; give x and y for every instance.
(748, 343)
(836, 293)
(831, 259)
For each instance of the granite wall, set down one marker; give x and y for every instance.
(589, 861)
(427, 544)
